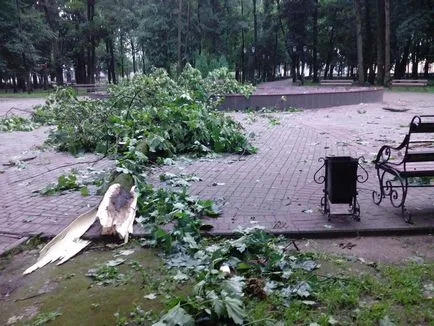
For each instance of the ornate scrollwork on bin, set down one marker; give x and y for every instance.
(320, 179)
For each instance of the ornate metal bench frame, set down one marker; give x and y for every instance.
(393, 175)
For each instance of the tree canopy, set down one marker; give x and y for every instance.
(50, 40)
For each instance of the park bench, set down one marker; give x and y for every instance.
(336, 82)
(410, 82)
(411, 164)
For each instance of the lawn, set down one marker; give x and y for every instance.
(343, 290)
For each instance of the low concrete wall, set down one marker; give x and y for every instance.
(304, 100)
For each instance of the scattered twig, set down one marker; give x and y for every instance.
(60, 167)
(30, 296)
(26, 159)
(16, 109)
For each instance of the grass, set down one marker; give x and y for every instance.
(352, 293)
(345, 292)
(35, 94)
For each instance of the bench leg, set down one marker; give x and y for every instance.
(406, 215)
(356, 209)
(325, 205)
(395, 187)
(377, 197)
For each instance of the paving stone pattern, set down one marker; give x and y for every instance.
(273, 188)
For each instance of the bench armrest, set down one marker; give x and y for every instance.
(384, 154)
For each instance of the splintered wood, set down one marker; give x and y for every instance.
(117, 211)
(116, 214)
(67, 243)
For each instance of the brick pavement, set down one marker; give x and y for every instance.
(273, 188)
(23, 212)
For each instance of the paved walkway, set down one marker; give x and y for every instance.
(273, 188)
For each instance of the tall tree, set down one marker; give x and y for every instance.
(360, 66)
(387, 43)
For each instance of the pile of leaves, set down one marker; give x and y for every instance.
(16, 123)
(226, 274)
(146, 118)
(231, 272)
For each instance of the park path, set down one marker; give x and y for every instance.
(273, 188)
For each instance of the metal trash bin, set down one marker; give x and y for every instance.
(340, 183)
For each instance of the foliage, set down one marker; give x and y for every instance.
(16, 123)
(106, 275)
(44, 318)
(64, 182)
(145, 118)
(221, 81)
(76, 180)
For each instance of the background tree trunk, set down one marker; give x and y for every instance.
(386, 43)
(179, 36)
(315, 41)
(380, 42)
(360, 70)
(133, 53)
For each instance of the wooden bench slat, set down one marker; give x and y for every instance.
(420, 157)
(425, 127)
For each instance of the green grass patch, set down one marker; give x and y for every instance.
(416, 89)
(34, 94)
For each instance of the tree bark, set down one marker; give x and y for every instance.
(243, 45)
(122, 55)
(133, 53)
(91, 46)
(360, 66)
(369, 58)
(386, 43)
(315, 41)
(380, 42)
(255, 35)
(179, 36)
(143, 59)
(107, 54)
(414, 61)
(112, 61)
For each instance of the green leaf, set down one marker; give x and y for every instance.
(176, 316)
(84, 191)
(235, 310)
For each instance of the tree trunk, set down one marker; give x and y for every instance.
(368, 58)
(91, 46)
(386, 43)
(187, 37)
(143, 60)
(179, 36)
(112, 61)
(199, 25)
(243, 45)
(380, 42)
(401, 65)
(255, 40)
(315, 41)
(357, 7)
(133, 53)
(107, 54)
(414, 61)
(122, 55)
(59, 75)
